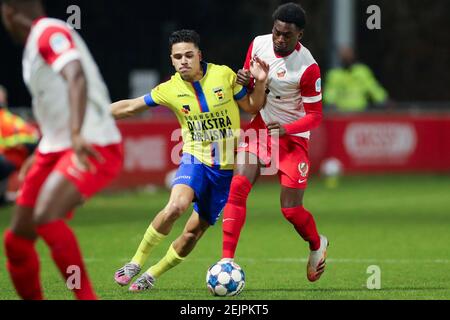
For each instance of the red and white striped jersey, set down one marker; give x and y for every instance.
(50, 46)
(294, 83)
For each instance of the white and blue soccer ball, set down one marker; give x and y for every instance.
(225, 279)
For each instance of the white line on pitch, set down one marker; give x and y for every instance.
(304, 260)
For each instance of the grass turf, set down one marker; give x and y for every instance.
(399, 223)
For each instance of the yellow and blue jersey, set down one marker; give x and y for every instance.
(207, 112)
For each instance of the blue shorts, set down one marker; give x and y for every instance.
(211, 186)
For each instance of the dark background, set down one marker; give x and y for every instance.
(410, 55)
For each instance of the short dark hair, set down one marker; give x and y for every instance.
(291, 13)
(190, 36)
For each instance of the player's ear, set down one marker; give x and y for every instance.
(300, 35)
(200, 55)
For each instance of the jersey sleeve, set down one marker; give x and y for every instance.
(311, 91)
(158, 96)
(311, 85)
(239, 92)
(230, 77)
(57, 48)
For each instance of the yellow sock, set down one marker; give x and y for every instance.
(151, 239)
(170, 260)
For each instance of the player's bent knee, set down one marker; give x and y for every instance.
(291, 198)
(38, 220)
(22, 225)
(291, 203)
(175, 209)
(22, 232)
(41, 217)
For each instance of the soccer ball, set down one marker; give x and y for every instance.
(225, 279)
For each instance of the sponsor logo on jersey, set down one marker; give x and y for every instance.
(59, 43)
(218, 92)
(184, 95)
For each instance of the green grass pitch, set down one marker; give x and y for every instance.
(399, 223)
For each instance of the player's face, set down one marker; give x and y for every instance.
(285, 37)
(186, 59)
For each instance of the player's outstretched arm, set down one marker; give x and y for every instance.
(127, 108)
(256, 100)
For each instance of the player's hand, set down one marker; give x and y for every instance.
(276, 129)
(243, 77)
(83, 152)
(26, 166)
(259, 69)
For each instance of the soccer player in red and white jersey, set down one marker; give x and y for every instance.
(79, 154)
(293, 107)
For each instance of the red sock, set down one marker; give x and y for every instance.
(66, 253)
(234, 215)
(23, 266)
(305, 225)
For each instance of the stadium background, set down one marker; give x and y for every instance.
(134, 36)
(391, 208)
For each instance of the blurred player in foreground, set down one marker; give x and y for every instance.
(79, 154)
(292, 109)
(205, 99)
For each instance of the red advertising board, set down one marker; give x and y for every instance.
(395, 143)
(363, 143)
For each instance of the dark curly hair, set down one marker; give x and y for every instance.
(291, 13)
(190, 36)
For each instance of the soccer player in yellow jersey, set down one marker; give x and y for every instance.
(205, 99)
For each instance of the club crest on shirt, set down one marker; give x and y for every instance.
(281, 73)
(303, 168)
(186, 109)
(218, 93)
